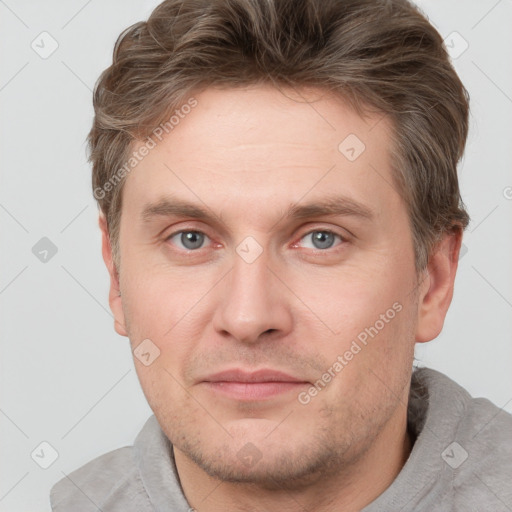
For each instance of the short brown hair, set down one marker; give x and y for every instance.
(380, 55)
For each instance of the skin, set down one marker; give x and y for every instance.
(245, 155)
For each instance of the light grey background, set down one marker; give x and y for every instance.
(66, 377)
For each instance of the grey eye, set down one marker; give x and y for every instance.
(322, 239)
(190, 240)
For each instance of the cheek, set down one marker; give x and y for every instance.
(366, 328)
(159, 300)
(169, 310)
(346, 302)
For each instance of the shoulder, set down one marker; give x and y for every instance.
(109, 482)
(477, 450)
(138, 478)
(486, 446)
(476, 419)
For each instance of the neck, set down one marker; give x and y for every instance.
(349, 489)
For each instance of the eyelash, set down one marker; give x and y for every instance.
(342, 239)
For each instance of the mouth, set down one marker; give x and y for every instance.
(241, 385)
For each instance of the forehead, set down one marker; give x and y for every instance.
(257, 144)
(236, 120)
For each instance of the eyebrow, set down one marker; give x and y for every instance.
(328, 206)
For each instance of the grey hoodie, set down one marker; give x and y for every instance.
(461, 461)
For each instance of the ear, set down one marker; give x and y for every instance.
(436, 291)
(114, 297)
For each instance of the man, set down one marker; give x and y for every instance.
(281, 222)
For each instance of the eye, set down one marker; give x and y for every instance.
(322, 239)
(190, 240)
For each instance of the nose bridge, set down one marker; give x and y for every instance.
(251, 302)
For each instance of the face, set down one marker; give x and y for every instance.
(267, 260)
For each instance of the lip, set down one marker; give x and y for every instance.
(263, 375)
(243, 385)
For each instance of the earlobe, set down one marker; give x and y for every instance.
(114, 299)
(436, 291)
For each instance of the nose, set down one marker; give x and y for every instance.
(253, 302)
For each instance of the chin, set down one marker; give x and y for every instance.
(276, 464)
